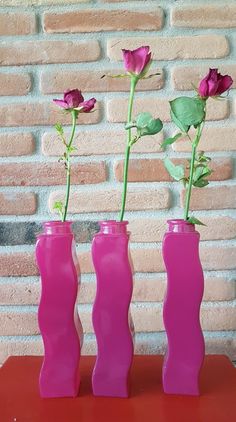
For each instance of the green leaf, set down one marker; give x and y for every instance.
(142, 119)
(121, 75)
(170, 141)
(201, 183)
(177, 172)
(179, 124)
(194, 220)
(71, 149)
(59, 128)
(200, 172)
(188, 111)
(59, 207)
(153, 127)
(147, 125)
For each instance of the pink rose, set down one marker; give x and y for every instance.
(73, 99)
(136, 61)
(214, 84)
(87, 106)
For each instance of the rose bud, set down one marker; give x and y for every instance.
(214, 84)
(74, 100)
(71, 99)
(137, 61)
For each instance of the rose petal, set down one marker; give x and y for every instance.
(135, 61)
(87, 106)
(141, 57)
(73, 98)
(61, 103)
(128, 59)
(224, 84)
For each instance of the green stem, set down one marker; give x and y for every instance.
(68, 168)
(133, 82)
(190, 183)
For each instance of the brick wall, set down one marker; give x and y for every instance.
(48, 46)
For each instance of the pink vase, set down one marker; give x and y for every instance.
(111, 318)
(58, 319)
(185, 284)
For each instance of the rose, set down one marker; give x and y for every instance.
(187, 112)
(214, 84)
(137, 61)
(74, 100)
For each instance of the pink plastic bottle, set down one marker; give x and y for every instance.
(185, 284)
(58, 319)
(111, 319)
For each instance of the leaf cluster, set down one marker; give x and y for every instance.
(201, 170)
(145, 125)
(59, 207)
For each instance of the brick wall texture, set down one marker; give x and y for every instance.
(49, 46)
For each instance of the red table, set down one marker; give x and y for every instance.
(20, 401)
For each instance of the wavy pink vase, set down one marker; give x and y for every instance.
(111, 319)
(58, 319)
(185, 285)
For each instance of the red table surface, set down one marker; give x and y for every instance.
(20, 401)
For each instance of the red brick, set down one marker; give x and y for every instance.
(110, 200)
(44, 52)
(14, 84)
(17, 264)
(153, 170)
(184, 77)
(219, 289)
(103, 20)
(41, 114)
(13, 203)
(92, 81)
(204, 16)
(153, 290)
(19, 293)
(172, 48)
(17, 23)
(212, 198)
(41, 174)
(100, 142)
(25, 323)
(153, 229)
(218, 318)
(16, 144)
(218, 258)
(221, 346)
(145, 290)
(147, 260)
(213, 139)
(150, 259)
(25, 3)
(159, 107)
(18, 347)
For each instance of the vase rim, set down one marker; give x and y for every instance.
(113, 222)
(179, 221)
(179, 225)
(56, 223)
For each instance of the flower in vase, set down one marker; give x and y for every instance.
(214, 84)
(73, 99)
(137, 61)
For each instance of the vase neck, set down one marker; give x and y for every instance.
(113, 227)
(180, 226)
(57, 227)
